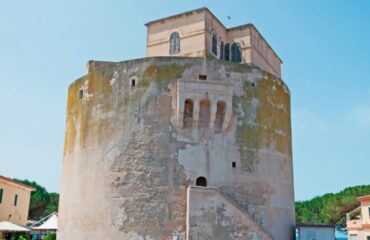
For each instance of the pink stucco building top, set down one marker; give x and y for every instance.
(199, 33)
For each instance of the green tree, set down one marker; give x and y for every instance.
(51, 236)
(330, 208)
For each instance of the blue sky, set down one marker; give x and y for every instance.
(325, 46)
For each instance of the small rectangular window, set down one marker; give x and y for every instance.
(202, 77)
(369, 211)
(234, 164)
(1, 195)
(353, 237)
(368, 237)
(133, 82)
(15, 200)
(80, 94)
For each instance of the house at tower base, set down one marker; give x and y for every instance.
(14, 201)
(358, 221)
(14, 206)
(192, 142)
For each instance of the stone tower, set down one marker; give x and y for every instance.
(192, 142)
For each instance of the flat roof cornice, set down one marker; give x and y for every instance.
(178, 15)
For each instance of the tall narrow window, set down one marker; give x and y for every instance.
(188, 113)
(80, 94)
(222, 50)
(220, 115)
(1, 195)
(236, 54)
(204, 113)
(227, 52)
(174, 43)
(214, 43)
(15, 200)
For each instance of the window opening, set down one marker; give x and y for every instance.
(236, 55)
(174, 43)
(233, 164)
(227, 52)
(353, 237)
(214, 43)
(222, 50)
(220, 115)
(80, 94)
(188, 113)
(201, 181)
(15, 200)
(133, 82)
(204, 113)
(202, 77)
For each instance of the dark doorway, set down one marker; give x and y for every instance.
(201, 181)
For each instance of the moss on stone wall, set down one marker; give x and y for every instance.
(72, 109)
(100, 95)
(266, 120)
(237, 67)
(161, 74)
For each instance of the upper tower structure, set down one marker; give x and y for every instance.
(199, 33)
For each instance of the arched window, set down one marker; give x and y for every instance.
(188, 113)
(222, 50)
(214, 43)
(201, 181)
(220, 115)
(204, 113)
(227, 52)
(174, 43)
(236, 53)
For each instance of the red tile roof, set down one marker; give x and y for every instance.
(363, 198)
(17, 183)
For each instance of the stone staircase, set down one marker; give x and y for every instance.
(211, 214)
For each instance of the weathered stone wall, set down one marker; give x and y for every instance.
(127, 163)
(212, 215)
